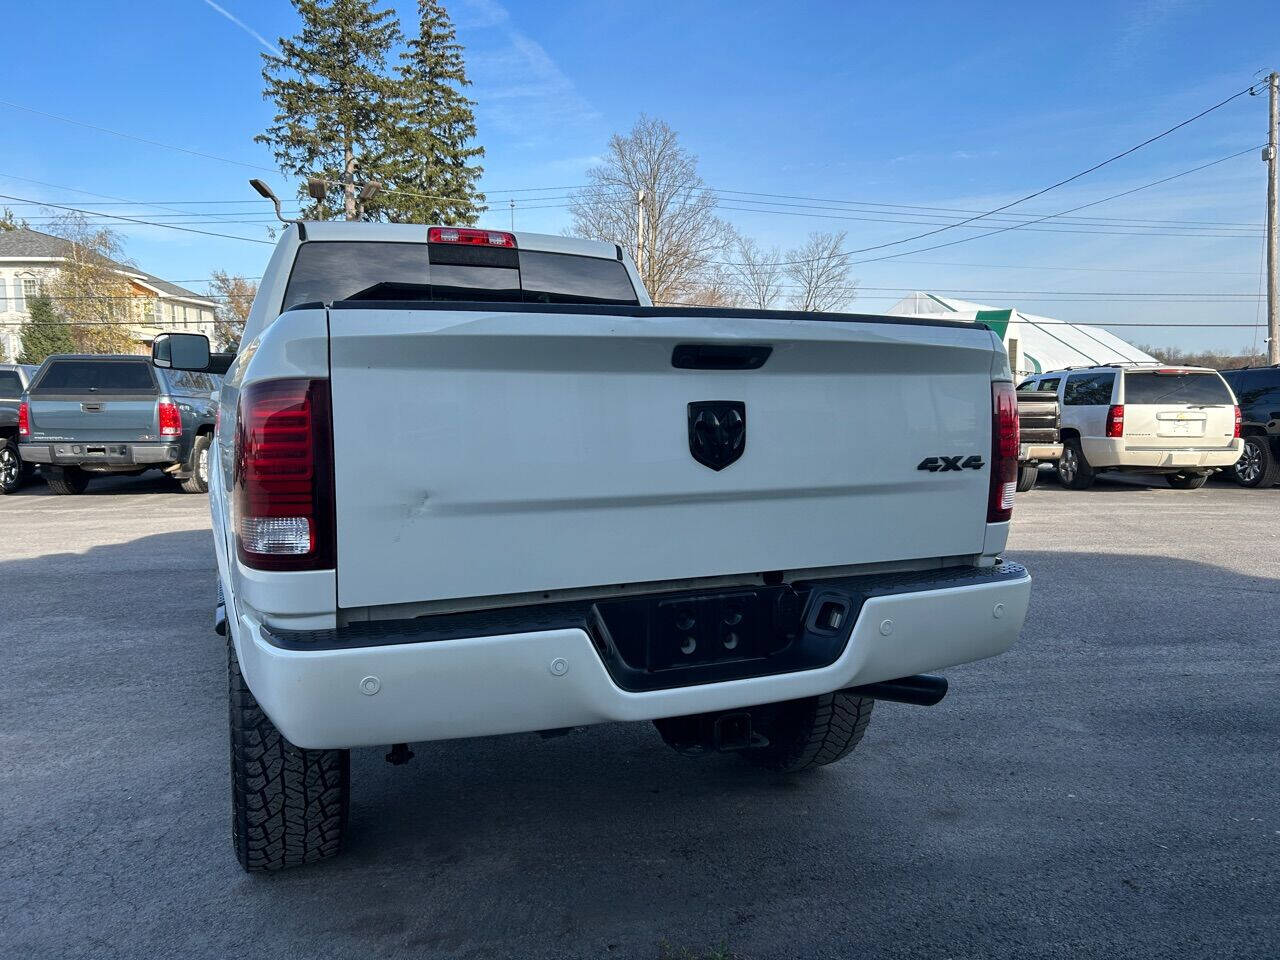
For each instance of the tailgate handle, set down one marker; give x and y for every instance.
(719, 356)
(91, 407)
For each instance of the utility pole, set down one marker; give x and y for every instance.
(640, 233)
(1273, 215)
(348, 182)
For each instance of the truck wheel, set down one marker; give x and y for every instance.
(66, 481)
(289, 805)
(198, 482)
(1028, 473)
(1073, 469)
(11, 468)
(1257, 466)
(1187, 481)
(811, 732)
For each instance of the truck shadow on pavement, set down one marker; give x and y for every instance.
(107, 485)
(1115, 743)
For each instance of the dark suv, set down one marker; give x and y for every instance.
(84, 416)
(14, 378)
(1257, 390)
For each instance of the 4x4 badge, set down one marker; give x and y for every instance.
(717, 432)
(945, 464)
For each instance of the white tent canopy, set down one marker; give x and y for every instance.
(1034, 343)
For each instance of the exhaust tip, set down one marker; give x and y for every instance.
(921, 690)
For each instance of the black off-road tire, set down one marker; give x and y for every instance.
(1028, 473)
(811, 732)
(12, 470)
(289, 805)
(66, 481)
(1074, 469)
(198, 482)
(1187, 481)
(1258, 466)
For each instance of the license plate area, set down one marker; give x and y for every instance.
(709, 629)
(651, 643)
(1182, 428)
(1180, 424)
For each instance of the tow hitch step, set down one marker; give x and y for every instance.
(706, 733)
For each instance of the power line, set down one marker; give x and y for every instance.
(1053, 323)
(89, 193)
(826, 205)
(148, 223)
(239, 163)
(1091, 203)
(241, 218)
(1035, 266)
(912, 206)
(1146, 232)
(1029, 196)
(137, 139)
(678, 303)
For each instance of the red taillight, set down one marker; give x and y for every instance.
(472, 237)
(1004, 452)
(284, 476)
(24, 420)
(1115, 421)
(1234, 436)
(170, 418)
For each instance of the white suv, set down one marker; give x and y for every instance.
(1179, 421)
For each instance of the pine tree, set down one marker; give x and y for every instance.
(335, 102)
(430, 168)
(45, 333)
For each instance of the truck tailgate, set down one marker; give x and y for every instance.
(484, 453)
(93, 418)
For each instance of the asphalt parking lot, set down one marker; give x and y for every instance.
(1110, 788)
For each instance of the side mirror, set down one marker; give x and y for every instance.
(181, 351)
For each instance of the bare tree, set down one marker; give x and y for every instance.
(682, 232)
(91, 290)
(757, 272)
(819, 273)
(715, 286)
(235, 298)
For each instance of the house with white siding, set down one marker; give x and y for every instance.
(29, 259)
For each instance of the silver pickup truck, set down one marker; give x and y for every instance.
(468, 482)
(84, 416)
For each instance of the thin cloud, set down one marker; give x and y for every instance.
(246, 28)
(521, 87)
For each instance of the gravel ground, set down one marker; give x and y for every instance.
(1110, 788)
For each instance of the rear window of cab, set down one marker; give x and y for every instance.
(331, 270)
(96, 376)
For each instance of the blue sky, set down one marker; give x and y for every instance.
(943, 105)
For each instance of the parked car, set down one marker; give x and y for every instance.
(14, 378)
(84, 416)
(1182, 422)
(1038, 431)
(470, 482)
(1258, 391)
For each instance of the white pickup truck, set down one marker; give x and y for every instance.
(469, 482)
